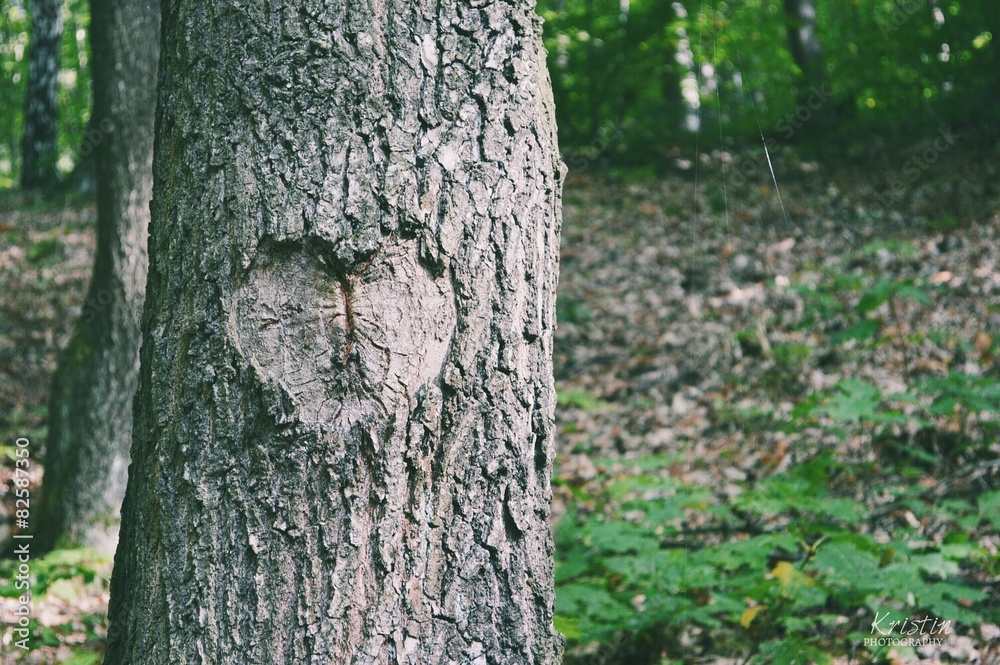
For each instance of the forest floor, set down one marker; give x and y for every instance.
(711, 335)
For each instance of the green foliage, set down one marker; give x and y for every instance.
(775, 568)
(14, 32)
(883, 292)
(853, 401)
(627, 566)
(989, 508)
(570, 310)
(65, 576)
(961, 393)
(851, 309)
(783, 374)
(83, 659)
(74, 86)
(44, 251)
(580, 399)
(955, 395)
(629, 77)
(894, 246)
(48, 571)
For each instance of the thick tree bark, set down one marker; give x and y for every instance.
(344, 427)
(90, 408)
(38, 141)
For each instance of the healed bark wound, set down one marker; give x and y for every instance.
(90, 406)
(286, 506)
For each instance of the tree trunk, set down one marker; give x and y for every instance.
(806, 50)
(90, 407)
(344, 429)
(803, 43)
(38, 142)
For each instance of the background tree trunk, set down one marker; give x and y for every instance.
(803, 43)
(807, 51)
(39, 148)
(90, 408)
(344, 428)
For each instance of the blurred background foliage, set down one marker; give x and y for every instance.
(633, 73)
(75, 96)
(640, 76)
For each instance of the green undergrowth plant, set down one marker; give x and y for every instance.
(21, 422)
(887, 511)
(782, 570)
(61, 577)
(84, 564)
(946, 420)
(847, 306)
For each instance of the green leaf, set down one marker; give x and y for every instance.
(567, 570)
(989, 507)
(850, 561)
(935, 564)
(855, 401)
(568, 626)
(82, 658)
(580, 400)
(913, 293)
(939, 599)
(863, 329)
(790, 651)
(586, 600)
(751, 552)
(975, 393)
(622, 537)
(876, 296)
(891, 417)
(844, 510)
(64, 589)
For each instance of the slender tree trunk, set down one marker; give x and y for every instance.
(90, 408)
(803, 43)
(807, 51)
(595, 95)
(344, 427)
(38, 142)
